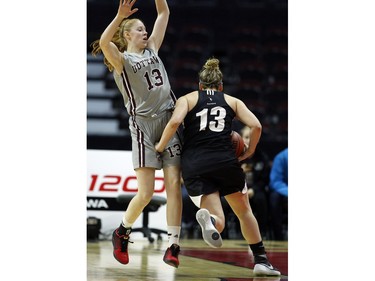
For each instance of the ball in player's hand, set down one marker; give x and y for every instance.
(238, 143)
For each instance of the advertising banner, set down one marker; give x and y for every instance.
(109, 174)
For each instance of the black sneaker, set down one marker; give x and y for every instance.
(120, 247)
(171, 255)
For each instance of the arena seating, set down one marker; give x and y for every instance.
(249, 37)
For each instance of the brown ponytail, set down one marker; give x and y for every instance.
(211, 76)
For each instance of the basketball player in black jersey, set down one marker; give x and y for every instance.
(210, 168)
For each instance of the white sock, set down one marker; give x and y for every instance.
(125, 223)
(173, 235)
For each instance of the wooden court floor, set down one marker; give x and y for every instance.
(198, 261)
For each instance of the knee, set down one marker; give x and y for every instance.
(173, 189)
(144, 197)
(173, 184)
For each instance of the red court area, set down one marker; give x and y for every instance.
(238, 257)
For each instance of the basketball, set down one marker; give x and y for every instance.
(237, 143)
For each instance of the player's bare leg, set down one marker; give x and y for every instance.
(121, 235)
(172, 181)
(239, 202)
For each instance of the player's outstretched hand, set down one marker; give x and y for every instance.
(125, 8)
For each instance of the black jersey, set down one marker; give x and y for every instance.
(207, 128)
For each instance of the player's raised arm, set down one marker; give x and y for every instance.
(160, 26)
(109, 49)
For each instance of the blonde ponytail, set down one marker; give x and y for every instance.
(118, 39)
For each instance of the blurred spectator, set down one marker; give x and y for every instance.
(279, 195)
(257, 171)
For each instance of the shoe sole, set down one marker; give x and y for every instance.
(171, 263)
(260, 269)
(210, 234)
(120, 260)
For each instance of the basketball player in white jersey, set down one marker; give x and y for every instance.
(140, 75)
(210, 168)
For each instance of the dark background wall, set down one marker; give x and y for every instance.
(249, 37)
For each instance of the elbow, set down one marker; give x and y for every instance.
(258, 128)
(167, 12)
(174, 123)
(102, 43)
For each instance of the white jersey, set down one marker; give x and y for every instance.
(144, 85)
